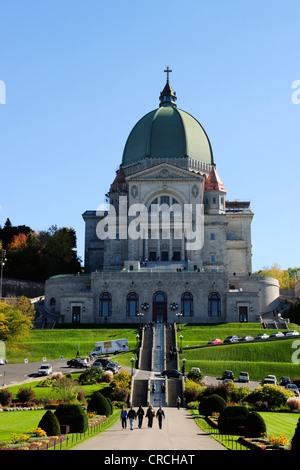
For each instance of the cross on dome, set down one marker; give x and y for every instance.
(168, 71)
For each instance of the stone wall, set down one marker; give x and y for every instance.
(18, 287)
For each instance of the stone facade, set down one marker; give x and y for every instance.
(155, 273)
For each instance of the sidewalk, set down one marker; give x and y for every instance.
(179, 432)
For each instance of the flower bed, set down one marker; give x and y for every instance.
(40, 441)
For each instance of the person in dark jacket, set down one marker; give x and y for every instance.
(150, 415)
(123, 417)
(131, 417)
(140, 414)
(160, 416)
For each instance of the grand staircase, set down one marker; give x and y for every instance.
(154, 357)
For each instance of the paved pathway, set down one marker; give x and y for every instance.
(179, 432)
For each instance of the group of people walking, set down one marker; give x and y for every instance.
(150, 414)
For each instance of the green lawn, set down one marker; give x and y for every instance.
(278, 423)
(259, 359)
(49, 392)
(19, 422)
(63, 342)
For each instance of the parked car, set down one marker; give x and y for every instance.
(113, 367)
(243, 377)
(293, 388)
(195, 369)
(228, 374)
(292, 333)
(226, 381)
(103, 362)
(273, 377)
(97, 365)
(277, 334)
(78, 363)
(231, 339)
(171, 373)
(45, 369)
(246, 338)
(268, 381)
(285, 381)
(215, 341)
(262, 336)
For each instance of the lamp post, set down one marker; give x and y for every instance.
(132, 361)
(2, 261)
(183, 365)
(178, 315)
(180, 337)
(140, 315)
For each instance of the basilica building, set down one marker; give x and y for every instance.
(169, 246)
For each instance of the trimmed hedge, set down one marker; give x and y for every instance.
(210, 404)
(100, 404)
(233, 420)
(295, 442)
(50, 424)
(255, 425)
(73, 416)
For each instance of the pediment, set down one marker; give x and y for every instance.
(164, 172)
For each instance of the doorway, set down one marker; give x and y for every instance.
(243, 314)
(160, 307)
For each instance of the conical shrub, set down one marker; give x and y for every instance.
(99, 404)
(255, 425)
(50, 424)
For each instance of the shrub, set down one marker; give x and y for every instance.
(192, 391)
(107, 376)
(295, 442)
(272, 394)
(233, 420)
(6, 397)
(25, 394)
(213, 403)
(50, 424)
(195, 375)
(223, 390)
(193, 405)
(293, 403)
(91, 376)
(99, 404)
(255, 425)
(238, 394)
(72, 415)
(120, 394)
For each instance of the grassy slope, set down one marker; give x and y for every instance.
(55, 343)
(258, 359)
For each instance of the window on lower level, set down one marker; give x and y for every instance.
(214, 305)
(187, 307)
(132, 307)
(105, 305)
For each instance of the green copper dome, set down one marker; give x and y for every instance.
(167, 132)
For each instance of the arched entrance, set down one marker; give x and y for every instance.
(160, 307)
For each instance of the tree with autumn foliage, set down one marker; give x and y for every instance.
(287, 277)
(16, 320)
(36, 256)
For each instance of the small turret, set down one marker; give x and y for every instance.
(214, 193)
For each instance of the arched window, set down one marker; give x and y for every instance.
(132, 304)
(214, 305)
(52, 302)
(159, 297)
(105, 305)
(187, 307)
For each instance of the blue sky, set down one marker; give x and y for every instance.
(80, 74)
